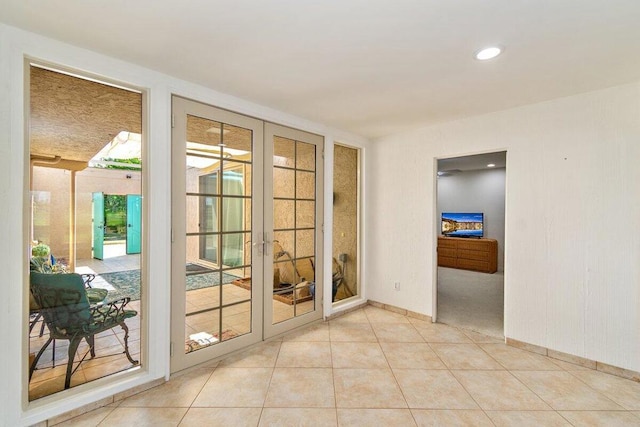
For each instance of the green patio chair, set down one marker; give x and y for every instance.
(64, 305)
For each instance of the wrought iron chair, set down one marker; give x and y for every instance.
(39, 265)
(63, 303)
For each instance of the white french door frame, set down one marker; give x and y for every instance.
(182, 107)
(272, 130)
(262, 222)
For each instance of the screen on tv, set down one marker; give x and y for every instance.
(458, 224)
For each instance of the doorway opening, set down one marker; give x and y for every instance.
(470, 201)
(117, 220)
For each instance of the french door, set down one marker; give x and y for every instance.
(247, 246)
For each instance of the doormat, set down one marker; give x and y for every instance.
(127, 283)
(197, 269)
(285, 297)
(193, 345)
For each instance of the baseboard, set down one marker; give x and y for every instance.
(333, 316)
(576, 360)
(399, 310)
(554, 354)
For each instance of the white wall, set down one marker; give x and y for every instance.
(15, 45)
(572, 270)
(476, 191)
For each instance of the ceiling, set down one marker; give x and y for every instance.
(74, 118)
(371, 67)
(471, 163)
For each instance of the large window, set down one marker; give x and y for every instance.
(86, 213)
(345, 267)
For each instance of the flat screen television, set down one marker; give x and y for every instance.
(461, 224)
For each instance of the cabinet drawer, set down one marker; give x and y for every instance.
(469, 254)
(446, 243)
(449, 252)
(445, 261)
(471, 264)
(476, 245)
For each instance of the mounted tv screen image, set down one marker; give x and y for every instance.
(457, 224)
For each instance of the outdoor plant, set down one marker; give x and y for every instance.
(41, 260)
(40, 250)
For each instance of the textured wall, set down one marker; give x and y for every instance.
(572, 219)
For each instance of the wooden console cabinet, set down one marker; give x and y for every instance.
(468, 254)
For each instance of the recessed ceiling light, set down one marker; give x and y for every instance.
(491, 165)
(488, 53)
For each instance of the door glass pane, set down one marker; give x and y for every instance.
(345, 223)
(305, 156)
(218, 216)
(283, 183)
(294, 228)
(284, 152)
(283, 214)
(237, 142)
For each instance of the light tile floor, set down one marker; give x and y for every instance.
(353, 371)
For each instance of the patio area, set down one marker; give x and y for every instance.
(49, 375)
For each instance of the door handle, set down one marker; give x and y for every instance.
(267, 242)
(260, 246)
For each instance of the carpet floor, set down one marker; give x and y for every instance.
(471, 300)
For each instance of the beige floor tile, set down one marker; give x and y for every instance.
(439, 333)
(411, 356)
(622, 391)
(357, 355)
(299, 417)
(428, 418)
(396, 332)
(221, 417)
(348, 331)
(235, 387)
(263, 355)
(144, 417)
(563, 391)
(301, 388)
(367, 388)
(375, 417)
(304, 354)
(499, 390)
(379, 315)
(465, 356)
(527, 418)
(601, 418)
(636, 413)
(417, 322)
(315, 332)
(433, 390)
(180, 391)
(515, 359)
(90, 419)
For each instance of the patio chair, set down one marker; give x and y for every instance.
(63, 303)
(95, 295)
